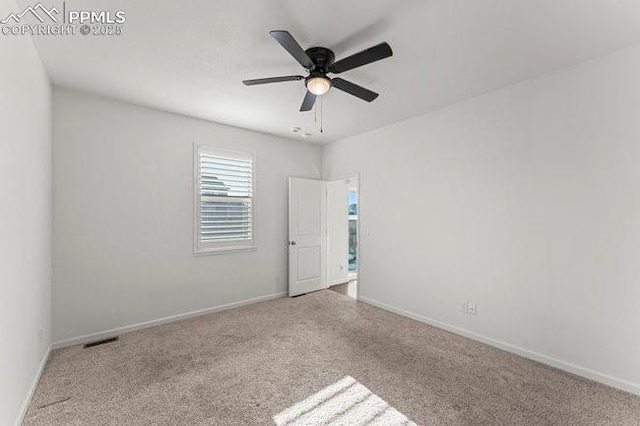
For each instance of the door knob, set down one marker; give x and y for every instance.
(293, 243)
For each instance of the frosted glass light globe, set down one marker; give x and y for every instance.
(318, 85)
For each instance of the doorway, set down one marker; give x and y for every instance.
(324, 235)
(342, 235)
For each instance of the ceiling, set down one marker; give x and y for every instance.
(189, 57)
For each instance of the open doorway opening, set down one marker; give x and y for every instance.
(353, 229)
(342, 235)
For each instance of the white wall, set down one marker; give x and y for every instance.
(123, 215)
(525, 200)
(25, 220)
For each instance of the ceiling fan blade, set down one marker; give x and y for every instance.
(290, 44)
(372, 54)
(308, 101)
(354, 89)
(272, 80)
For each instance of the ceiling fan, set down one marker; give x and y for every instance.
(319, 61)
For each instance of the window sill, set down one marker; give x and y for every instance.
(223, 250)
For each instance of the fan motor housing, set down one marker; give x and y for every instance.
(321, 57)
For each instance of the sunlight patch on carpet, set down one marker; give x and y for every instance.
(346, 402)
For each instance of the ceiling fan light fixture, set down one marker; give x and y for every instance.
(318, 85)
(319, 61)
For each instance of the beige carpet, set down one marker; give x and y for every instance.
(268, 362)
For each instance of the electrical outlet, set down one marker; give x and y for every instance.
(467, 307)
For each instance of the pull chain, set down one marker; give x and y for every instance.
(315, 111)
(321, 114)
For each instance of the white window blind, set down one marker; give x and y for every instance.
(224, 200)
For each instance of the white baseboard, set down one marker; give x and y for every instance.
(160, 321)
(544, 359)
(32, 389)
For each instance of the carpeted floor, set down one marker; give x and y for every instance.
(254, 365)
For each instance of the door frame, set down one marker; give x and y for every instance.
(354, 175)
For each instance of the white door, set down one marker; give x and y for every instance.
(307, 235)
(338, 232)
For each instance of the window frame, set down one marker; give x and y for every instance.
(220, 247)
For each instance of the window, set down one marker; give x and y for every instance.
(223, 200)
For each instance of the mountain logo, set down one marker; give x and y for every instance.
(38, 11)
